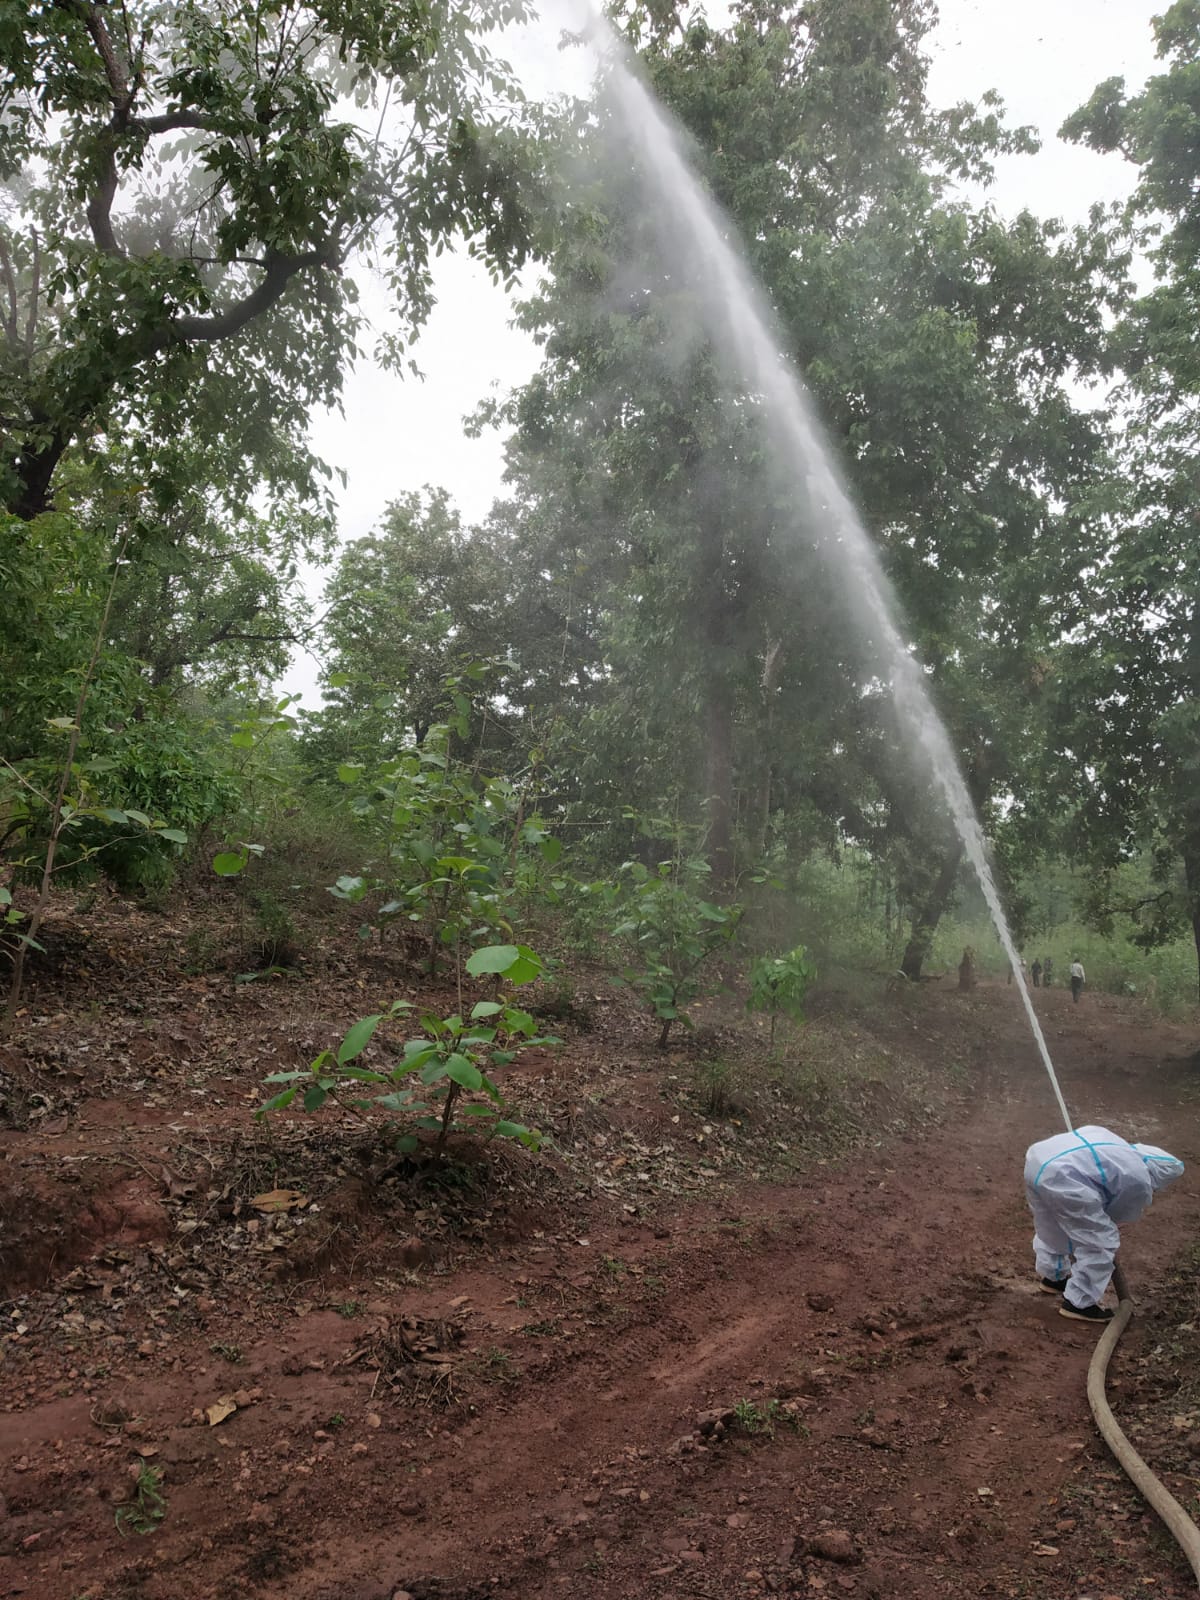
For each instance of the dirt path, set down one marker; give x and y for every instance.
(931, 1436)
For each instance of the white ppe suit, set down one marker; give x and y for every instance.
(1080, 1186)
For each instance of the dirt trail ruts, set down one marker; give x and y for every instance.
(890, 1301)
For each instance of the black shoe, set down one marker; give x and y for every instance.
(1053, 1285)
(1084, 1313)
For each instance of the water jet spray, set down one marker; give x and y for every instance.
(744, 331)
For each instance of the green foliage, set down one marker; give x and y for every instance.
(1129, 709)
(720, 1087)
(145, 1512)
(1112, 921)
(451, 848)
(762, 1420)
(779, 984)
(144, 775)
(264, 129)
(413, 611)
(672, 931)
(453, 1057)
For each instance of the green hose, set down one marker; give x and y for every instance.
(1182, 1528)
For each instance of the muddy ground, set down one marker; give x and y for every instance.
(689, 1353)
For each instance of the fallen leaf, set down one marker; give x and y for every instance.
(220, 1409)
(280, 1200)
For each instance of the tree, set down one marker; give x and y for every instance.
(193, 185)
(409, 606)
(940, 341)
(207, 592)
(1131, 698)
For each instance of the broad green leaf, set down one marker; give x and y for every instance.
(464, 1071)
(492, 958)
(357, 1039)
(279, 1102)
(398, 1100)
(227, 864)
(175, 835)
(485, 1008)
(315, 1097)
(525, 968)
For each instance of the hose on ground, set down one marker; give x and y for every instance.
(1180, 1525)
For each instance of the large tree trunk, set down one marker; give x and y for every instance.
(719, 780)
(1191, 872)
(762, 804)
(930, 913)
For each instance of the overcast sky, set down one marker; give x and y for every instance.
(1044, 57)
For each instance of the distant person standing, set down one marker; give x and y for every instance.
(1036, 972)
(1078, 979)
(1047, 972)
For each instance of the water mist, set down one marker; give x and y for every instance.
(739, 321)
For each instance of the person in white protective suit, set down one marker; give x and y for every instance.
(1081, 1186)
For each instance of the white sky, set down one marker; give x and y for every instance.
(1044, 57)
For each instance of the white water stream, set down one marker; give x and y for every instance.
(743, 329)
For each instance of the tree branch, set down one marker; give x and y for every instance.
(120, 90)
(99, 208)
(35, 291)
(280, 270)
(173, 121)
(10, 284)
(118, 82)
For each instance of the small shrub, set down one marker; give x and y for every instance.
(274, 931)
(673, 932)
(718, 1088)
(779, 984)
(452, 1057)
(145, 1511)
(762, 1420)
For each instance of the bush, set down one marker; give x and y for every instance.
(452, 1059)
(673, 932)
(779, 984)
